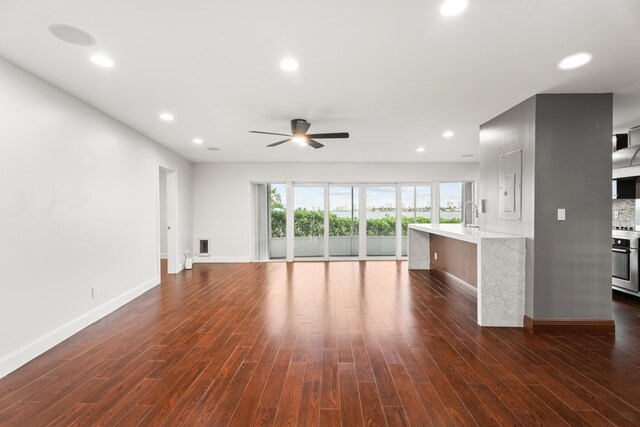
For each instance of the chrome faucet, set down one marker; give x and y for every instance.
(464, 217)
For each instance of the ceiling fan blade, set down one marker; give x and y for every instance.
(329, 135)
(268, 133)
(314, 144)
(279, 142)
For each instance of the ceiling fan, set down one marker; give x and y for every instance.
(299, 128)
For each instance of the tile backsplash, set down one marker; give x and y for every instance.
(626, 212)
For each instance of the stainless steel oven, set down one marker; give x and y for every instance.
(624, 255)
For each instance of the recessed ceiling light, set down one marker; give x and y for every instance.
(72, 35)
(167, 117)
(448, 134)
(420, 149)
(289, 64)
(575, 61)
(198, 141)
(453, 7)
(102, 60)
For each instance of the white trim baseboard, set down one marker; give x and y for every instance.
(12, 361)
(207, 260)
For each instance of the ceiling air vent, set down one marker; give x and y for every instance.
(72, 35)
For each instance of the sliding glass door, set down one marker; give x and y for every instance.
(381, 221)
(308, 221)
(300, 220)
(343, 221)
(416, 208)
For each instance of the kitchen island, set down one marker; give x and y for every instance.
(500, 264)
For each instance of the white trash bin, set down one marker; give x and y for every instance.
(188, 260)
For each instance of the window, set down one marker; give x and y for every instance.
(416, 208)
(343, 221)
(308, 221)
(453, 197)
(451, 202)
(325, 219)
(381, 221)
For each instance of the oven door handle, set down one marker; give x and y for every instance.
(621, 251)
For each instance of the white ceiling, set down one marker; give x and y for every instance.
(395, 74)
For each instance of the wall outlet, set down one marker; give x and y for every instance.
(95, 292)
(561, 215)
(616, 214)
(435, 256)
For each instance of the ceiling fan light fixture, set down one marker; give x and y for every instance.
(299, 128)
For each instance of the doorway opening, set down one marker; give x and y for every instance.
(270, 225)
(167, 212)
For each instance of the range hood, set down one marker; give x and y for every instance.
(626, 157)
(626, 161)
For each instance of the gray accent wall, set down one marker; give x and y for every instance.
(565, 140)
(573, 171)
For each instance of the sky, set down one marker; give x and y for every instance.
(312, 198)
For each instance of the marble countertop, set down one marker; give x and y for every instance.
(457, 231)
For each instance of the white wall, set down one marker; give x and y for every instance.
(78, 208)
(222, 193)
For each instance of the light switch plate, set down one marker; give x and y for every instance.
(435, 256)
(561, 215)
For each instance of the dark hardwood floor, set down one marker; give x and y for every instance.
(342, 343)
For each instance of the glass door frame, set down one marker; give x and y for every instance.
(328, 206)
(362, 217)
(326, 257)
(435, 219)
(290, 207)
(363, 222)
